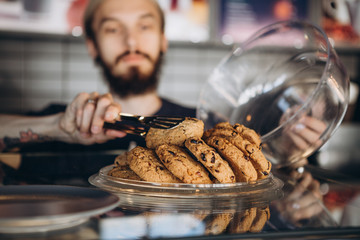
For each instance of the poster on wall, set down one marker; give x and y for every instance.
(239, 19)
(340, 20)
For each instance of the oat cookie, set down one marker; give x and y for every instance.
(182, 165)
(146, 165)
(208, 156)
(190, 127)
(240, 164)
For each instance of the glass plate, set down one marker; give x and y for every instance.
(180, 196)
(41, 208)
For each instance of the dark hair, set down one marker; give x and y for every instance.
(94, 4)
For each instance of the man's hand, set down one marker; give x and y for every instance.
(306, 133)
(84, 118)
(303, 134)
(303, 197)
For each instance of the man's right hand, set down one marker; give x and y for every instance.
(84, 118)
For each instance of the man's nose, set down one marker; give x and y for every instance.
(130, 41)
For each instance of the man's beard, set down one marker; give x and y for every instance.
(134, 82)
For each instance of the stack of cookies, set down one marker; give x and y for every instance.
(186, 154)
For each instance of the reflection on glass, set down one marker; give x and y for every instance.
(303, 203)
(157, 223)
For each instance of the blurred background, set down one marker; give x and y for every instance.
(43, 58)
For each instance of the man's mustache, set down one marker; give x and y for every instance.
(128, 53)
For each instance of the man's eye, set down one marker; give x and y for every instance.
(145, 27)
(111, 30)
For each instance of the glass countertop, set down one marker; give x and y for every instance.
(307, 202)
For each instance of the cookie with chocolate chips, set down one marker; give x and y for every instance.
(249, 148)
(240, 164)
(126, 173)
(121, 160)
(248, 134)
(218, 223)
(262, 216)
(208, 157)
(190, 127)
(178, 161)
(122, 169)
(242, 221)
(145, 163)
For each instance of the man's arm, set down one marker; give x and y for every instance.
(81, 123)
(17, 129)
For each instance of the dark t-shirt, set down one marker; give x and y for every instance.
(51, 160)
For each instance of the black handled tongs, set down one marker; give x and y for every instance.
(139, 125)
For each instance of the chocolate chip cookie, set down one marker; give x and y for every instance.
(240, 164)
(262, 216)
(248, 134)
(145, 163)
(121, 160)
(121, 172)
(190, 127)
(218, 223)
(208, 156)
(242, 221)
(249, 149)
(182, 165)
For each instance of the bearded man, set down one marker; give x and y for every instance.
(126, 39)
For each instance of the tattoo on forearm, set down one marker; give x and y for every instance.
(25, 137)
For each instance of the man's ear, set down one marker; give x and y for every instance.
(91, 48)
(164, 43)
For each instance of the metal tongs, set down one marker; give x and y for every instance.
(139, 125)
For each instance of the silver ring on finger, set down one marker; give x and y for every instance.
(90, 100)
